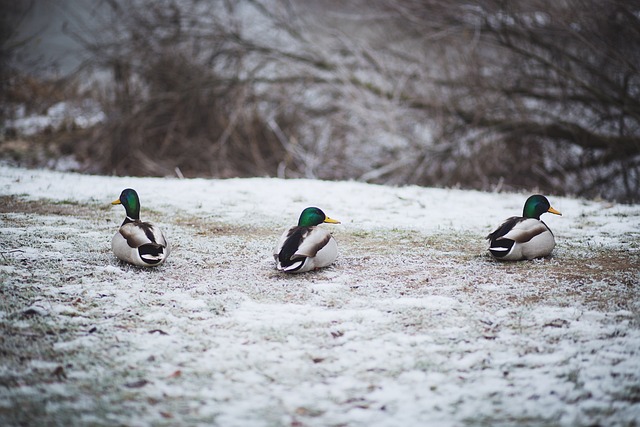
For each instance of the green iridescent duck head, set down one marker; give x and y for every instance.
(314, 216)
(536, 205)
(129, 199)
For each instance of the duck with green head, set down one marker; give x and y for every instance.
(136, 242)
(306, 246)
(526, 236)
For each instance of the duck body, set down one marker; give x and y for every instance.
(302, 249)
(140, 243)
(137, 242)
(524, 237)
(521, 238)
(306, 246)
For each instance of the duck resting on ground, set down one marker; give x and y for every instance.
(306, 247)
(526, 236)
(136, 242)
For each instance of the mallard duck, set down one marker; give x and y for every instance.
(306, 247)
(524, 237)
(137, 242)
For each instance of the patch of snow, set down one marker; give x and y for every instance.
(83, 115)
(413, 325)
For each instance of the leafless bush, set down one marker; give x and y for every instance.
(484, 94)
(176, 100)
(541, 93)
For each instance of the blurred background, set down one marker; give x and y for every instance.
(539, 95)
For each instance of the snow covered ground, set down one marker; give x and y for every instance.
(413, 325)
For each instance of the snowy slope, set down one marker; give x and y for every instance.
(413, 325)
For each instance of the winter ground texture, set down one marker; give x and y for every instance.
(413, 325)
